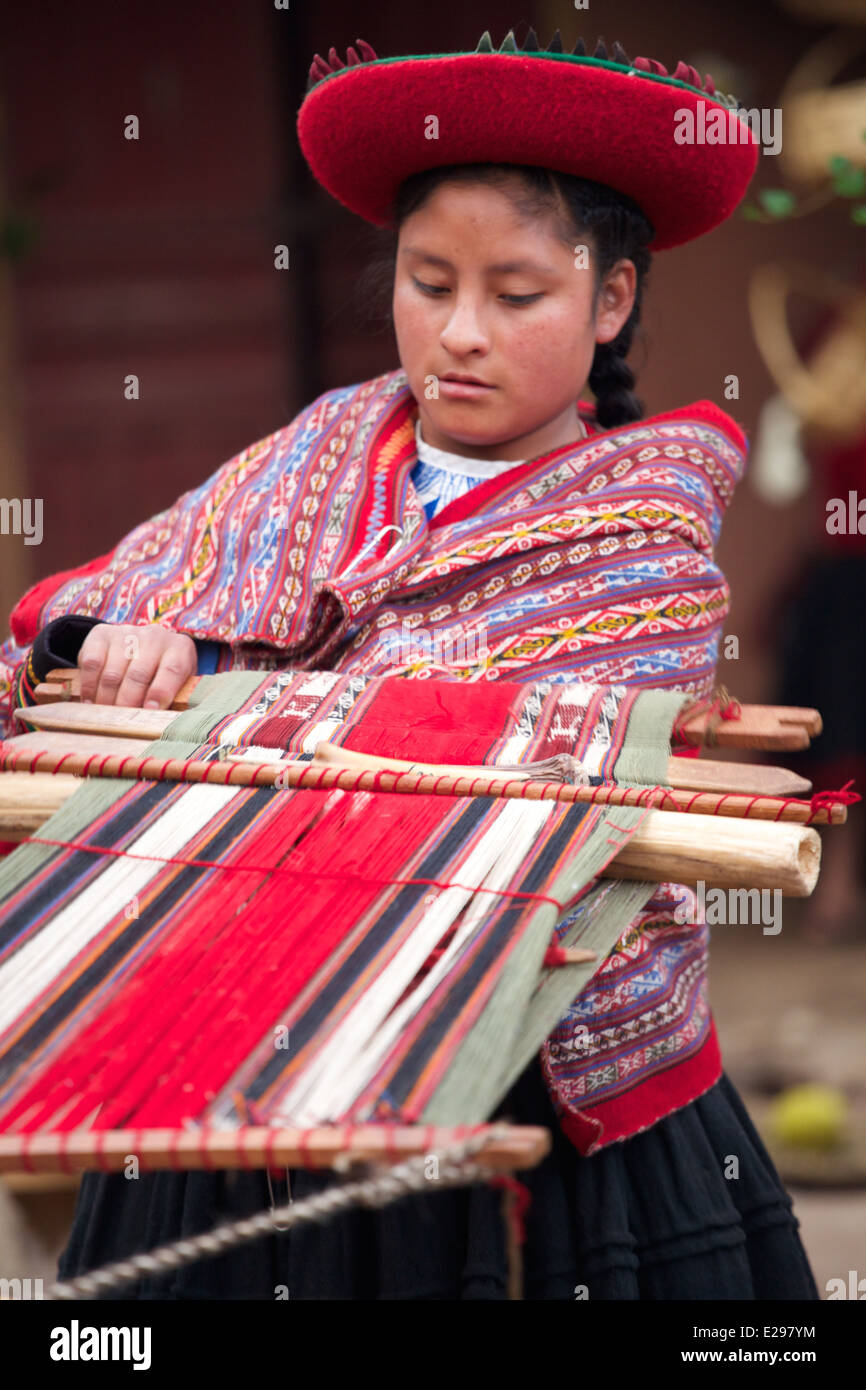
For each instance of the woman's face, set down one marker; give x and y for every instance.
(481, 291)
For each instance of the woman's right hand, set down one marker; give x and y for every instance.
(135, 664)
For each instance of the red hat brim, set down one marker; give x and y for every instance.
(362, 132)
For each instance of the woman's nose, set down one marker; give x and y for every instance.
(464, 331)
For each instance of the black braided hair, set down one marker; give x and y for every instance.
(613, 222)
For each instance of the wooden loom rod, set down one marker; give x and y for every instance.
(360, 772)
(666, 847)
(757, 726)
(516, 1146)
(730, 803)
(697, 774)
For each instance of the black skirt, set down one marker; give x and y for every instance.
(652, 1217)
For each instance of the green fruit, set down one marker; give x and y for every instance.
(810, 1116)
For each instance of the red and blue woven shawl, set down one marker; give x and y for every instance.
(595, 563)
(312, 548)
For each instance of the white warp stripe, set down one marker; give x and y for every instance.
(42, 960)
(513, 750)
(353, 1052)
(238, 727)
(321, 733)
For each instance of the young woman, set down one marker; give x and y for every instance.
(527, 190)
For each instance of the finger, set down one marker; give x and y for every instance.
(142, 649)
(91, 659)
(113, 672)
(175, 668)
(128, 644)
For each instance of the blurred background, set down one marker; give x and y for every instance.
(155, 257)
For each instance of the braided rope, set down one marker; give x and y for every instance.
(405, 1178)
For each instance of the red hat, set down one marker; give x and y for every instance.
(365, 126)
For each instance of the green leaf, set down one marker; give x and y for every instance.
(849, 180)
(858, 215)
(852, 185)
(778, 202)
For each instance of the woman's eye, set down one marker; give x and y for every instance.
(515, 299)
(430, 289)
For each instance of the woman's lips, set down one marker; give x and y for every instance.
(463, 390)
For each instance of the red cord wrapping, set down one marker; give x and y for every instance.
(657, 796)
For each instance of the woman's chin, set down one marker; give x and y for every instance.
(473, 428)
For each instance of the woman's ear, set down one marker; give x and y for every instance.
(615, 301)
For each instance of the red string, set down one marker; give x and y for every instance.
(663, 797)
(824, 800)
(297, 872)
(716, 709)
(520, 1206)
